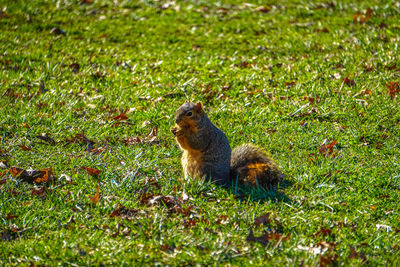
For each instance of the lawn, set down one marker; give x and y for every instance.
(91, 175)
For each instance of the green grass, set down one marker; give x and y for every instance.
(257, 74)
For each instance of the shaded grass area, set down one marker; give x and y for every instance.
(292, 77)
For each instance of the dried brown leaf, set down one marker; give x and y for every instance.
(263, 219)
(323, 232)
(44, 176)
(92, 171)
(327, 259)
(393, 88)
(348, 81)
(74, 67)
(11, 216)
(362, 19)
(41, 192)
(57, 31)
(121, 116)
(327, 149)
(289, 84)
(25, 148)
(96, 197)
(46, 138)
(15, 171)
(124, 213)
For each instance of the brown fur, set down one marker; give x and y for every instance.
(252, 166)
(261, 174)
(191, 161)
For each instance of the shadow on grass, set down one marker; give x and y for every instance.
(202, 187)
(260, 194)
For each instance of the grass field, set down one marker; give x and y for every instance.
(89, 90)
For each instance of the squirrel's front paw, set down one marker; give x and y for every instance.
(174, 130)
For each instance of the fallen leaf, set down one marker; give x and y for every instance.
(46, 138)
(183, 211)
(324, 30)
(167, 248)
(368, 67)
(244, 64)
(44, 176)
(327, 149)
(81, 138)
(25, 148)
(289, 84)
(91, 171)
(14, 229)
(13, 192)
(41, 192)
(327, 259)
(392, 66)
(362, 19)
(124, 213)
(74, 67)
(190, 222)
(15, 171)
(32, 176)
(57, 31)
(122, 116)
(311, 99)
(393, 88)
(263, 219)
(96, 197)
(348, 81)
(11, 216)
(323, 232)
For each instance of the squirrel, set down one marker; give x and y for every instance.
(207, 153)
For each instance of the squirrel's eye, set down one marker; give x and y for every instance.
(189, 114)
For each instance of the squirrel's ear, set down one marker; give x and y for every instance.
(199, 107)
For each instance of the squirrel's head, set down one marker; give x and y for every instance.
(189, 115)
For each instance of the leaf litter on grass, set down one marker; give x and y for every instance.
(32, 176)
(311, 57)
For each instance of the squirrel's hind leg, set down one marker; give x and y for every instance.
(217, 173)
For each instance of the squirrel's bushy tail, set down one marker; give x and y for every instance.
(252, 166)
